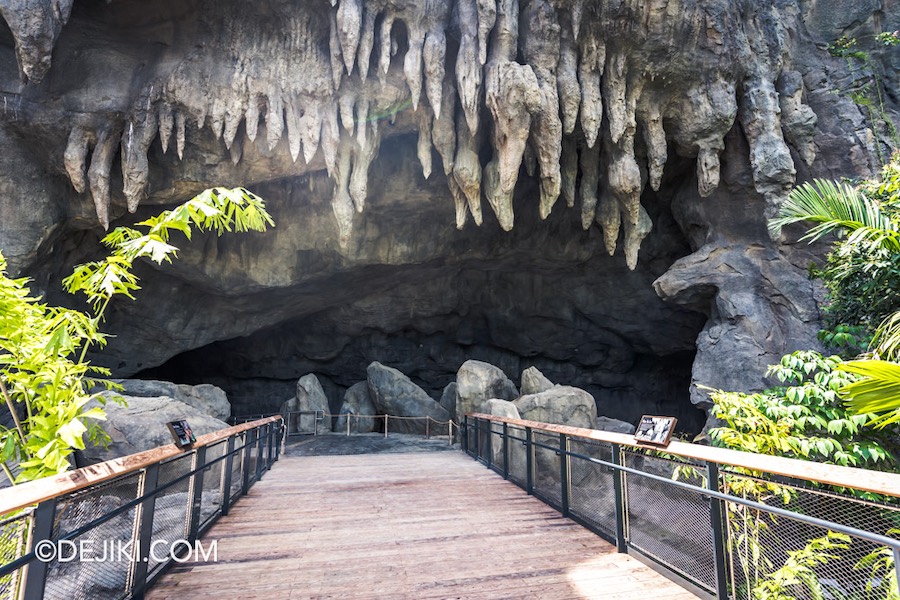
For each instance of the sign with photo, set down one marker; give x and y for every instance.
(182, 432)
(655, 430)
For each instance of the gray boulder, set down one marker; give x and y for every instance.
(292, 421)
(614, 425)
(477, 382)
(141, 425)
(506, 409)
(205, 397)
(394, 394)
(562, 405)
(357, 401)
(448, 399)
(534, 382)
(312, 398)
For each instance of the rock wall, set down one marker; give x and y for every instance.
(670, 130)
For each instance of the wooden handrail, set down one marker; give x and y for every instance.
(33, 492)
(878, 482)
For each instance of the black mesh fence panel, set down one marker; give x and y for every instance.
(211, 498)
(93, 565)
(171, 510)
(547, 469)
(13, 539)
(667, 523)
(780, 555)
(593, 498)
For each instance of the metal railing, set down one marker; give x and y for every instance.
(314, 422)
(721, 522)
(110, 530)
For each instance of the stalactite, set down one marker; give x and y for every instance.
(98, 173)
(74, 157)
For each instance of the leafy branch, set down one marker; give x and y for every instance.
(45, 377)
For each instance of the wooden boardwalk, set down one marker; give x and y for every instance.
(422, 525)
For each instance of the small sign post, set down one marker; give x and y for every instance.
(182, 433)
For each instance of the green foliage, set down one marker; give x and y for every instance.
(44, 375)
(806, 418)
(882, 580)
(797, 578)
(877, 393)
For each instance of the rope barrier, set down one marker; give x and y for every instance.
(322, 415)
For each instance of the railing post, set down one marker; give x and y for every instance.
(260, 452)
(225, 480)
(195, 493)
(245, 462)
(41, 529)
(143, 532)
(270, 445)
(529, 461)
(505, 450)
(477, 438)
(464, 434)
(621, 507)
(489, 435)
(282, 438)
(349, 416)
(565, 480)
(897, 567)
(716, 516)
(385, 426)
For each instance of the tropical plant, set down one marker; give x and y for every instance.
(45, 377)
(882, 581)
(797, 578)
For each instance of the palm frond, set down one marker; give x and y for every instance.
(886, 341)
(877, 393)
(837, 207)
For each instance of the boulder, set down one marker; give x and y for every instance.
(141, 425)
(562, 405)
(394, 394)
(534, 382)
(477, 382)
(292, 421)
(312, 398)
(506, 409)
(448, 400)
(205, 397)
(357, 401)
(614, 425)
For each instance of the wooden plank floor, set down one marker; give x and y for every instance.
(422, 525)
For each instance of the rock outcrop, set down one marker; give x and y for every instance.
(563, 405)
(477, 382)
(357, 410)
(394, 394)
(141, 425)
(533, 382)
(669, 130)
(204, 397)
(313, 406)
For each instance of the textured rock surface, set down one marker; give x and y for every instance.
(394, 394)
(477, 382)
(564, 405)
(357, 401)
(533, 382)
(614, 425)
(504, 408)
(142, 426)
(669, 128)
(311, 398)
(206, 398)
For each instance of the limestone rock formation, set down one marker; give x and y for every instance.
(671, 130)
(311, 398)
(563, 405)
(534, 382)
(477, 382)
(614, 425)
(394, 394)
(356, 411)
(504, 408)
(141, 425)
(448, 400)
(205, 398)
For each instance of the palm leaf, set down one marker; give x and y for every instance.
(878, 392)
(886, 341)
(836, 207)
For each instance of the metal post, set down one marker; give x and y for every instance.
(245, 462)
(619, 491)
(716, 514)
(505, 450)
(529, 460)
(450, 432)
(897, 567)
(464, 434)
(489, 435)
(270, 445)
(281, 438)
(385, 425)
(143, 532)
(227, 466)
(41, 529)
(427, 428)
(315, 422)
(260, 453)
(195, 493)
(565, 481)
(349, 416)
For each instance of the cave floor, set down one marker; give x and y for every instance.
(334, 444)
(404, 525)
